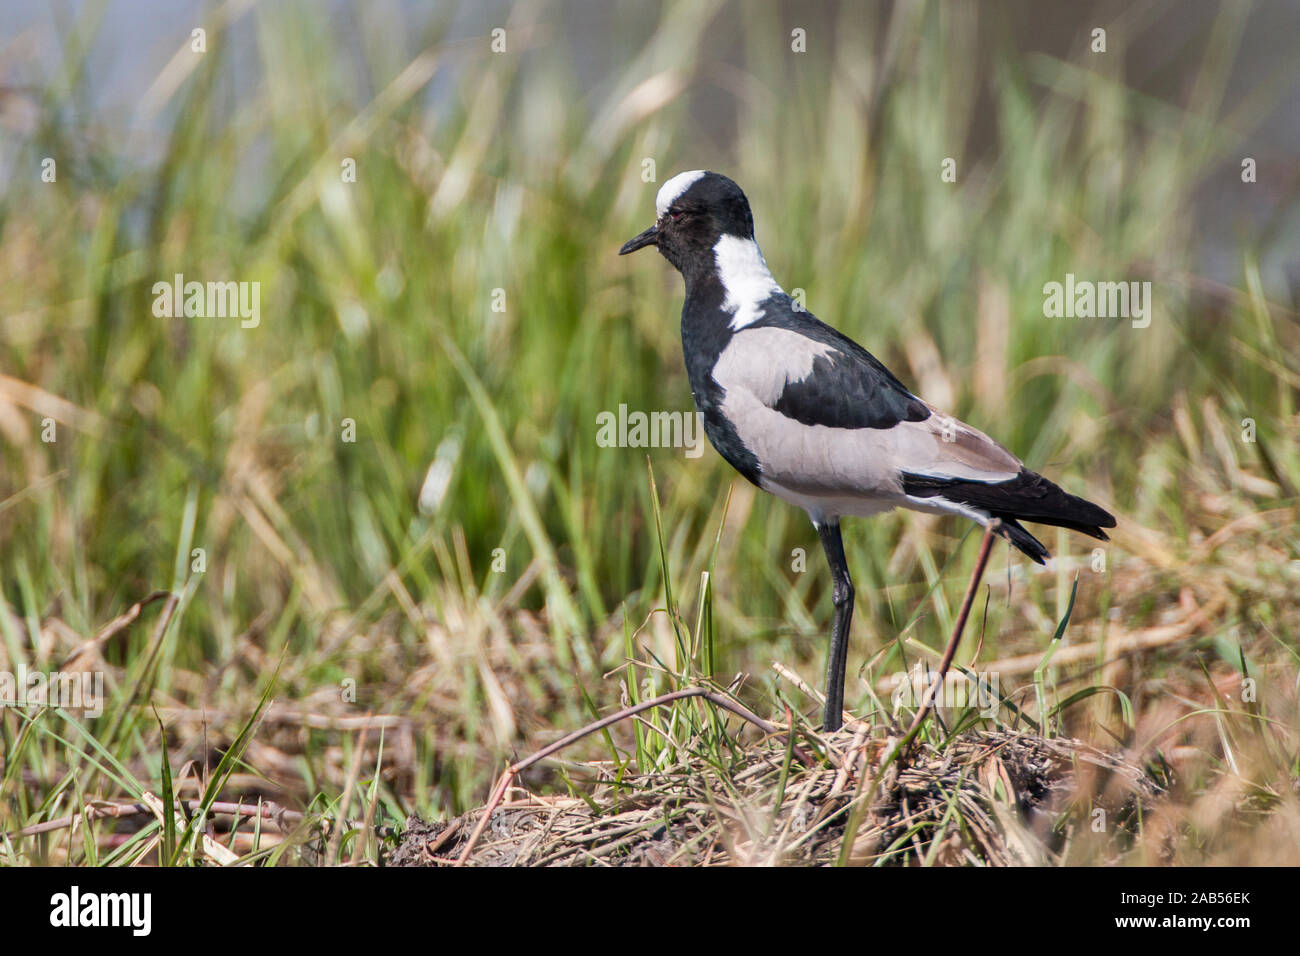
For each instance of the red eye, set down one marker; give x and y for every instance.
(676, 215)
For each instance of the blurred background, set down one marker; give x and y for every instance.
(389, 494)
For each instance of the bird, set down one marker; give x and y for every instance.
(807, 414)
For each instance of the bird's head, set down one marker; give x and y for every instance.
(695, 209)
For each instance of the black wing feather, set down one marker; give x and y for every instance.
(848, 388)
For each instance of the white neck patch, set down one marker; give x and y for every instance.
(745, 279)
(674, 188)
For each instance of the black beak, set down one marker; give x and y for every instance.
(648, 238)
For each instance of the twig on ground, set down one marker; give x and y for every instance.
(284, 819)
(498, 793)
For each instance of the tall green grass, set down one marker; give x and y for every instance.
(485, 178)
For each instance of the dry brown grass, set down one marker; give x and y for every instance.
(990, 798)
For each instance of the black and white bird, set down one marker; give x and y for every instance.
(806, 413)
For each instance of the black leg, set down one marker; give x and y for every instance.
(842, 596)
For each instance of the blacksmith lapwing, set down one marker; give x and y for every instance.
(806, 413)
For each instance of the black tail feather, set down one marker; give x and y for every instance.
(1022, 539)
(1027, 497)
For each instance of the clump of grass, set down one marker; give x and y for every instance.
(994, 799)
